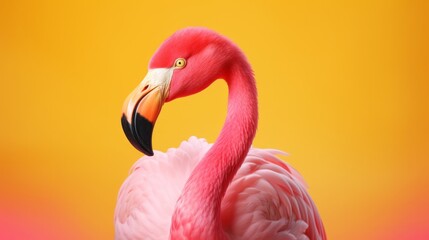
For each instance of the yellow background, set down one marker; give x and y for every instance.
(343, 87)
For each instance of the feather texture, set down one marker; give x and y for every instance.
(267, 198)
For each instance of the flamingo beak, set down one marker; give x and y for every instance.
(142, 107)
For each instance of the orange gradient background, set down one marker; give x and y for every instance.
(343, 88)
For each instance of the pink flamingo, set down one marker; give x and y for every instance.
(227, 190)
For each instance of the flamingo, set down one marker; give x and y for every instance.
(201, 191)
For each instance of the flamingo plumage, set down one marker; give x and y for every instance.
(201, 191)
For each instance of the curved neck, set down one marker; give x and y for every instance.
(197, 213)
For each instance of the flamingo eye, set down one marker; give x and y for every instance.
(180, 63)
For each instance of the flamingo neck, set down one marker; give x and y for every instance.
(197, 213)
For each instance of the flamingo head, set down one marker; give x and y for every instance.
(186, 63)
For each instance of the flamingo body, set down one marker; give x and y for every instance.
(267, 198)
(200, 191)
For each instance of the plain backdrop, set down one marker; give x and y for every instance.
(343, 87)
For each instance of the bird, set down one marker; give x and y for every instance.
(227, 190)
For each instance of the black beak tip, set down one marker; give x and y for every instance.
(139, 133)
(148, 152)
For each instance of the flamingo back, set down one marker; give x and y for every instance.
(267, 199)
